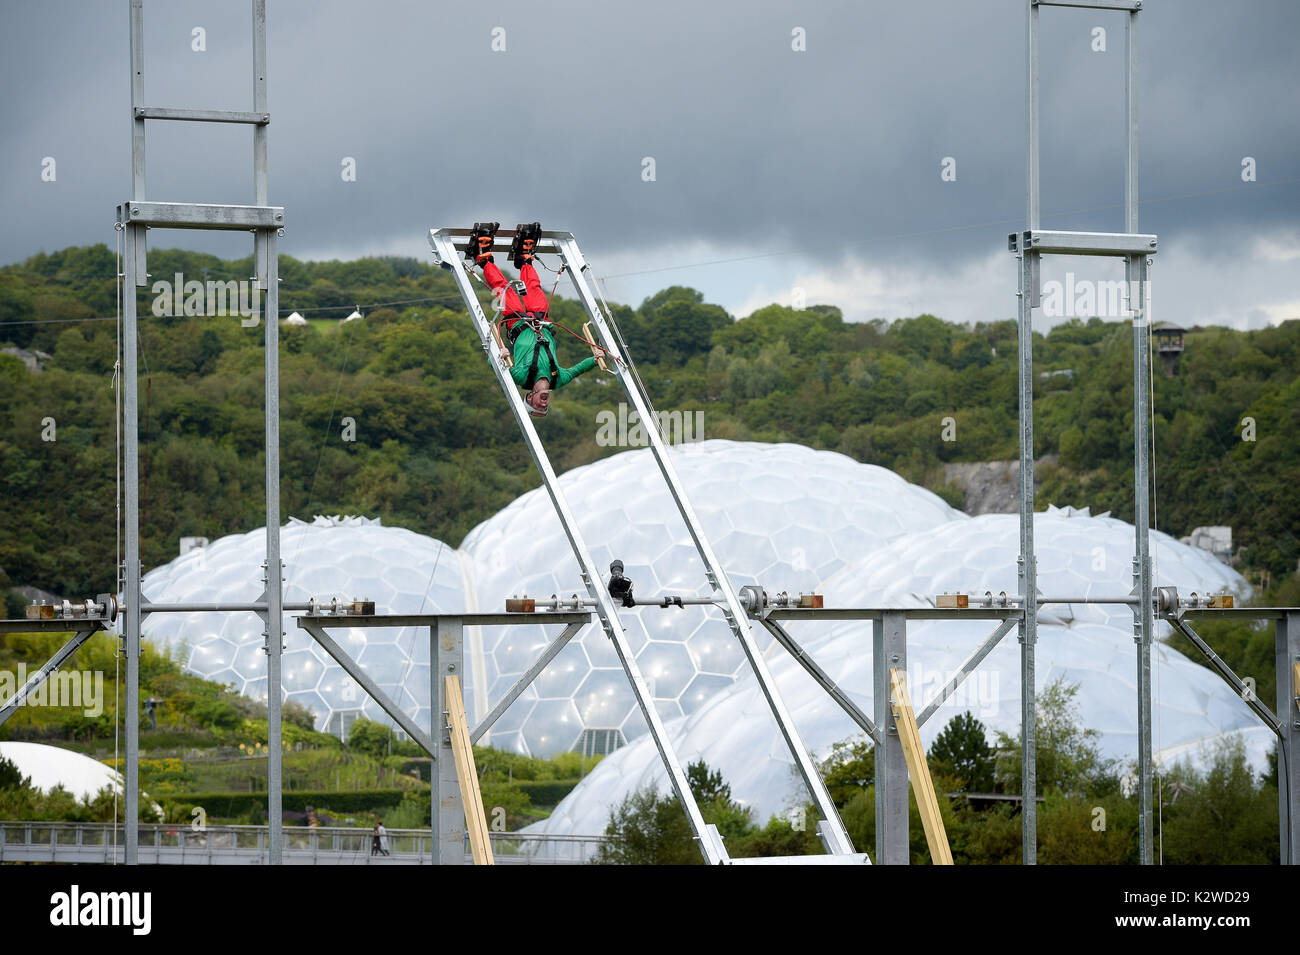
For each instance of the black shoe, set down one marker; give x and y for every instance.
(525, 242)
(481, 238)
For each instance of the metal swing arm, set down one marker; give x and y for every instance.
(831, 829)
(442, 242)
(834, 835)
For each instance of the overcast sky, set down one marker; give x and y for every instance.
(773, 168)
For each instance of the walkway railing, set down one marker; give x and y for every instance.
(101, 842)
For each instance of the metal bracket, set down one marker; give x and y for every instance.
(1082, 243)
(189, 215)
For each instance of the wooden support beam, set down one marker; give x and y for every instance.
(463, 752)
(596, 351)
(506, 357)
(922, 784)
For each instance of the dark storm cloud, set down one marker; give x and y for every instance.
(756, 147)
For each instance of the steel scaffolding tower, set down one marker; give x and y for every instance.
(135, 218)
(1029, 246)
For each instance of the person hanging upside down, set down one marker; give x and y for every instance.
(528, 329)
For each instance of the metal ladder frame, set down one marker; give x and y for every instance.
(831, 828)
(1135, 249)
(266, 222)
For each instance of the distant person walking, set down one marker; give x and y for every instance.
(375, 848)
(383, 839)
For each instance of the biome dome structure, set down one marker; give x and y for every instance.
(402, 571)
(81, 776)
(1080, 555)
(781, 514)
(785, 515)
(1087, 645)
(51, 766)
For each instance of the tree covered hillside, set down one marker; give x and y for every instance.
(436, 450)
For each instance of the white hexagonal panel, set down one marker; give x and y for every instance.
(783, 514)
(402, 571)
(1085, 644)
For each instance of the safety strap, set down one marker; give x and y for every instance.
(521, 321)
(539, 343)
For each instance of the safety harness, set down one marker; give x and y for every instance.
(540, 343)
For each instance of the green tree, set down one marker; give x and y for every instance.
(859, 816)
(648, 828)
(375, 739)
(849, 769)
(1080, 831)
(1219, 816)
(1068, 758)
(962, 754)
(10, 777)
(707, 784)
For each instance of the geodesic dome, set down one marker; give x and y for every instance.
(82, 776)
(785, 515)
(51, 766)
(782, 515)
(352, 557)
(1079, 554)
(1088, 645)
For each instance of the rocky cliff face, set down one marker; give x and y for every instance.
(991, 487)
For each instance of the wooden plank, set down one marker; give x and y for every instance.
(475, 819)
(922, 784)
(596, 352)
(506, 358)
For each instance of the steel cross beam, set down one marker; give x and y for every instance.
(822, 679)
(706, 836)
(531, 674)
(1130, 5)
(354, 670)
(834, 835)
(1285, 723)
(973, 661)
(772, 625)
(878, 613)
(55, 625)
(446, 656)
(889, 651)
(10, 706)
(1229, 677)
